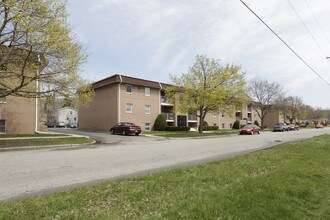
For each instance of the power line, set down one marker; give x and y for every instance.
(285, 43)
(302, 21)
(317, 21)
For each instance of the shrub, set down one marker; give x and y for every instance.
(236, 125)
(180, 128)
(205, 124)
(210, 128)
(256, 122)
(160, 123)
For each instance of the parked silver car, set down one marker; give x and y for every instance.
(281, 127)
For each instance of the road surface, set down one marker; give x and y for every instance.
(31, 172)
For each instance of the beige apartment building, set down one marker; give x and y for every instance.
(122, 98)
(19, 115)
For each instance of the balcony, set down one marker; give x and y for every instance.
(165, 100)
(192, 118)
(168, 116)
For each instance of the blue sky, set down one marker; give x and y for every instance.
(152, 39)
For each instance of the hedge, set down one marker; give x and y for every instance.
(180, 128)
(210, 128)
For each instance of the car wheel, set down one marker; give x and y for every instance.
(251, 132)
(124, 132)
(137, 134)
(112, 131)
(258, 132)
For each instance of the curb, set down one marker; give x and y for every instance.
(41, 147)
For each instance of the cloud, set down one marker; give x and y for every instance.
(151, 39)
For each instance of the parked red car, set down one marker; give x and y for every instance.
(293, 127)
(125, 128)
(318, 126)
(250, 129)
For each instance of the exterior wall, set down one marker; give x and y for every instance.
(272, 118)
(139, 100)
(20, 115)
(67, 115)
(102, 113)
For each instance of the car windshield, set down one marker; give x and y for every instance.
(129, 124)
(248, 126)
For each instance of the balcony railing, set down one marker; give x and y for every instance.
(165, 100)
(168, 116)
(192, 117)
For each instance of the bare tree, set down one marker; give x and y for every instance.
(266, 95)
(292, 106)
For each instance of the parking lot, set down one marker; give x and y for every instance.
(107, 138)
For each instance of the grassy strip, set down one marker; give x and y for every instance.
(44, 141)
(30, 135)
(182, 134)
(287, 182)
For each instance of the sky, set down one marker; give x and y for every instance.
(153, 39)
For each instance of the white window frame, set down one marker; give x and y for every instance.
(129, 86)
(129, 108)
(147, 109)
(147, 91)
(147, 126)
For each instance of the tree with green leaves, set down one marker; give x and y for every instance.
(39, 54)
(292, 106)
(208, 87)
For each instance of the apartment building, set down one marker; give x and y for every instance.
(225, 120)
(18, 115)
(124, 98)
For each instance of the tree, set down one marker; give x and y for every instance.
(39, 54)
(292, 106)
(208, 87)
(266, 95)
(160, 123)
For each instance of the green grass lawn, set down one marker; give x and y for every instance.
(44, 141)
(290, 181)
(30, 135)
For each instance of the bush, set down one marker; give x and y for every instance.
(236, 125)
(256, 122)
(180, 128)
(210, 128)
(160, 123)
(205, 124)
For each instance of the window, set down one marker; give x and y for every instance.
(223, 125)
(2, 126)
(214, 114)
(129, 108)
(147, 91)
(147, 126)
(231, 125)
(147, 109)
(129, 88)
(223, 114)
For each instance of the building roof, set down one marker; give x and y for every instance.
(128, 80)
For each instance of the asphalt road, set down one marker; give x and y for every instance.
(26, 173)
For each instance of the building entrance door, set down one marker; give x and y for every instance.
(182, 120)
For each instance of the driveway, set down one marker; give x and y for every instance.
(26, 173)
(107, 138)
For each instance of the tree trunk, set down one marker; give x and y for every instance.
(200, 126)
